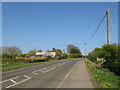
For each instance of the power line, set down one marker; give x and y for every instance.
(97, 28)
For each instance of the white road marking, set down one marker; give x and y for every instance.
(46, 69)
(34, 72)
(4, 80)
(54, 65)
(27, 77)
(19, 82)
(12, 81)
(66, 76)
(9, 79)
(39, 69)
(57, 64)
(61, 64)
(51, 69)
(15, 77)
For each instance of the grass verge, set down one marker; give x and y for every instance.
(8, 67)
(103, 77)
(17, 65)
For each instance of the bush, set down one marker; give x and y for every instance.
(92, 57)
(36, 60)
(112, 61)
(16, 61)
(11, 61)
(75, 56)
(116, 68)
(61, 56)
(113, 66)
(103, 77)
(23, 55)
(64, 55)
(6, 56)
(111, 54)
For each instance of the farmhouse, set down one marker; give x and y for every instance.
(46, 54)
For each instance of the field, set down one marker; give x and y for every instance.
(8, 64)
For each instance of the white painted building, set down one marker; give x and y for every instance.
(51, 54)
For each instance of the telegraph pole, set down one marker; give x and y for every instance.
(85, 49)
(108, 25)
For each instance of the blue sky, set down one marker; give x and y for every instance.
(47, 25)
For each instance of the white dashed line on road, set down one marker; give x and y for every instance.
(66, 76)
(36, 72)
(20, 81)
(9, 79)
(12, 81)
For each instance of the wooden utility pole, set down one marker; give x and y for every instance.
(108, 25)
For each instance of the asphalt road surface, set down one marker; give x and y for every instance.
(60, 74)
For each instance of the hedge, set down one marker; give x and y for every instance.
(75, 56)
(15, 61)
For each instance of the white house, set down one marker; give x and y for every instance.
(51, 54)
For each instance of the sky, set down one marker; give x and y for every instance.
(44, 25)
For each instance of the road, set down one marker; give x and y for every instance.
(60, 74)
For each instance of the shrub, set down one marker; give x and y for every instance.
(113, 66)
(116, 67)
(75, 56)
(92, 57)
(64, 55)
(61, 56)
(111, 54)
(11, 61)
(23, 55)
(6, 56)
(112, 61)
(16, 61)
(103, 77)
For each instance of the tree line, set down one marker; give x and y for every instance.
(13, 51)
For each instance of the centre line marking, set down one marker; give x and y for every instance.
(66, 76)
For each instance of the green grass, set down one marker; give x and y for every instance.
(14, 61)
(104, 78)
(21, 65)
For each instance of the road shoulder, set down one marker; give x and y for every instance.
(78, 77)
